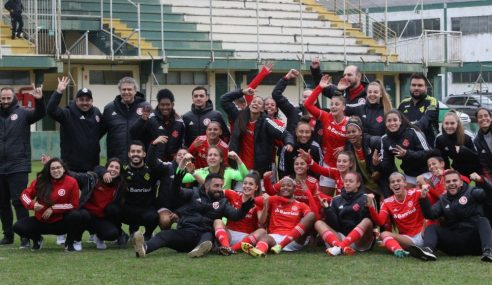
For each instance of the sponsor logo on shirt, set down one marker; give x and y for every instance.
(113, 114)
(82, 117)
(404, 215)
(287, 213)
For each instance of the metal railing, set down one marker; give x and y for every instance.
(80, 46)
(431, 48)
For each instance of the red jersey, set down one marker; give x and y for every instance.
(250, 222)
(284, 216)
(334, 134)
(247, 148)
(407, 214)
(102, 196)
(199, 150)
(64, 196)
(331, 172)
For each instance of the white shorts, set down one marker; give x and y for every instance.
(293, 246)
(237, 236)
(410, 179)
(326, 181)
(417, 239)
(362, 244)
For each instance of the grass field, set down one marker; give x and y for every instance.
(52, 265)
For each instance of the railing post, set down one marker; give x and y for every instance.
(111, 28)
(302, 32)
(163, 50)
(102, 13)
(258, 55)
(345, 33)
(211, 35)
(139, 29)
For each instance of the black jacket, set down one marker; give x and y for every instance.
(289, 110)
(15, 7)
(372, 117)
(415, 161)
(286, 159)
(118, 118)
(424, 114)
(80, 133)
(484, 154)
(359, 99)
(155, 126)
(15, 136)
(460, 211)
(465, 162)
(196, 122)
(347, 211)
(266, 131)
(200, 210)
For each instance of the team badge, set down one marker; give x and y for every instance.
(215, 205)
(344, 129)
(98, 119)
(463, 200)
(294, 208)
(175, 134)
(147, 176)
(14, 117)
(410, 204)
(61, 192)
(379, 119)
(356, 207)
(361, 101)
(320, 132)
(405, 143)
(206, 121)
(140, 111)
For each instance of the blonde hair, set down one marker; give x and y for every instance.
(460, 130)
(385, 98)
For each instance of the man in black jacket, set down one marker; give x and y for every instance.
(464, 230)
(119, 115)
(202, 112)
(80, 128)
(15, 8)
(202, 206)
(15, 156)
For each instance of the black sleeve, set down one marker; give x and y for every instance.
(53, 110)
(430, 213)
(137, 130)
(285, 105)
(331, 217)
(227, 103)
(237, 214)
(39, 111)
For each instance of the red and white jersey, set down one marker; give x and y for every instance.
(247, 146)
(331, 172)
(64, 198)
(250, 222)
(199, 150)
(407, 214)
(284, 216)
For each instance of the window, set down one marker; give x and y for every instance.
(414, 27)
(472, 25)
(107, 77)
(14, 77)
(471, 77)
(456, 101)
(183, 78)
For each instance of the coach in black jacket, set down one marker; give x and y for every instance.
(15, 156)
(80, 128)
(202, 112)
(196, 217)
(119, 115)
(464, 230)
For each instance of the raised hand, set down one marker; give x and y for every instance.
(37, 92)
(325, 81)
(160, 139)
(424, 190)
(292, 74)
(62, 84)
(306, 156)
(376, 158)
(269, 65)
(343, 84)
(399, 152)
(249, 91)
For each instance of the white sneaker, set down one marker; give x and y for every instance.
(60, 240)
(77, 245)
(334, 251)
(99, 243)
(92, 238)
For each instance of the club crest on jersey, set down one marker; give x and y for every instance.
(463, 200)
(98, 119)
(175, 134)
(294, 208)
(356, 207)
(140, 111)
(405, 143)
(320, 132)
(215, 205)
(147, 176)
(379, 119)
(410, 204)
(61, 192)
(14, 117)
(206, 121)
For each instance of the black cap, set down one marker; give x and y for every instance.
(165, 93)
(84, 92)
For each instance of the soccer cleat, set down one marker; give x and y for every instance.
(77, 245)
(139, 244)
(487, 255)
(70, 248)
(7, 240)
(400, 253)
(122, 239)
(201, 249)
(276, 248)
(37, 244)
(422, 253)
(246, 247)
(225, 250)
(348, 251)
(254, 252)
(99, 243)
(60, 239)
(25, 243)
(334, 251)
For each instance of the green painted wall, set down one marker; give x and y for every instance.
(48, 142)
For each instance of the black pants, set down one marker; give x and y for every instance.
(31, 228)
(469, 241)
(182, 240)
(134, 217)
(11, 187)
(17, 24)
(103, 228)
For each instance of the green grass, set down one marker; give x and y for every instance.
(52, 265)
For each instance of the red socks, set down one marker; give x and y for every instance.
(352, 237)
(222, 237)
(294, 234)
(248, 239)
(330, 238)
(391, 244)
(263, 246)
